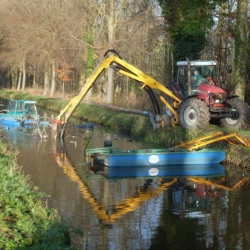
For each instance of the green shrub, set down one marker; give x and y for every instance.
(25, 223)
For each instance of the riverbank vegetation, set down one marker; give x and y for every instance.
(25, 221)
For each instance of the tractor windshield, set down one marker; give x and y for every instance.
(207, 73)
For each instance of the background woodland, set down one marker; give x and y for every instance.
(50, 47)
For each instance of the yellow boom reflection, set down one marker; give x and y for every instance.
(132, 203)
(221, 186)
(122, 208)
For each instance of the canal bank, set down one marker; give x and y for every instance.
(138, 127)
(25, 221)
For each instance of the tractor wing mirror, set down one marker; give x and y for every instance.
(182, 71)
(229, 69)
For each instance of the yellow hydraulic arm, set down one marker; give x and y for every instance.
(212, 138)
(121, 66)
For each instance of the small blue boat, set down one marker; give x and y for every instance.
(114, 158)
(19, 113)
(86, 126)
(165, 171)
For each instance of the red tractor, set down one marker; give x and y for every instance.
(190, 106)
(202, 99)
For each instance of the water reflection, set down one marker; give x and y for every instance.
(123, 207)
(160, 171)
(177, 212)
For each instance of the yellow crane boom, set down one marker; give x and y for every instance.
(118, 64)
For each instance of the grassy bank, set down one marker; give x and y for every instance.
(25, 223)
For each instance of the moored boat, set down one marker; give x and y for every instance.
(155, 157)
(19, 112)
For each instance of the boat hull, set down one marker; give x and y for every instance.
(165, 158)
(17, 120)
(155, 157)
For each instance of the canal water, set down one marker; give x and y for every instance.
(187, 212)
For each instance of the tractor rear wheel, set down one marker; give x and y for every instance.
(241, 117)
(194, 114)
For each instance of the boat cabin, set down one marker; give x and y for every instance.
(19, 112)
(22, 107)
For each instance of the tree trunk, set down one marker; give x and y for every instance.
(14, 78)
(111, 30)
(63, 90)
(240, 49)
(34, 80)
(53, 79)
(19, 79)
(90, 59)
(34, 76)
(46, 79)
(168, 63)
(221, 45)
(24, 74)
(110, 87)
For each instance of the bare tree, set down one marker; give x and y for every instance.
(52, 34)
(241, 33)
(134, 29)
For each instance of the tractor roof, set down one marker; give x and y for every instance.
(196, 63)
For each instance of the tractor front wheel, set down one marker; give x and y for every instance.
(194, 114)
(241, 115)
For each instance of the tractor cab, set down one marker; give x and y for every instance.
(200, 72)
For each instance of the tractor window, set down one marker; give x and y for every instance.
(182, 75)
(206, 74)
(208, 71)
